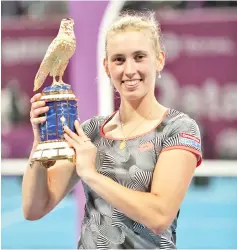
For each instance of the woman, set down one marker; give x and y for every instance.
(135, 165)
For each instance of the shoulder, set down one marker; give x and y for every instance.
(95, 120)
(91, 126)
(182, 132)
(176, 122)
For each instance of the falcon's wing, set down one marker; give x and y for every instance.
(47, 64)
(64, 60)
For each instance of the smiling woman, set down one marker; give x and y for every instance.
(136, 65)
(135, 164)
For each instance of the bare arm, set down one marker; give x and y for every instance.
(43, 189)
(157, 209)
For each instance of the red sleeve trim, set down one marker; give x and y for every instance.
(196, 152)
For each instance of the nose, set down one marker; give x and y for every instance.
(129, 69)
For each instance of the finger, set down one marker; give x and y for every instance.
(72, 135)
(79, 129)
(36, 97)
(36, 121)
(38, 104)
(80, 132)
(71, 142)
(36, 112)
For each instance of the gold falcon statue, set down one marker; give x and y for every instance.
(58, 55)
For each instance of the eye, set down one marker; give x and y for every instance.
(139, 57)
(119, 59)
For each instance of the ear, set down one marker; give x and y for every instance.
(106, 67)
(160, 61)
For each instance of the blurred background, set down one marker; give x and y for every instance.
(200, 78)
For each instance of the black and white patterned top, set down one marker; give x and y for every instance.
(104, 226)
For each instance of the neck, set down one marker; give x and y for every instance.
(146, 108)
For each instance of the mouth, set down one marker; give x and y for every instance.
(131, 84)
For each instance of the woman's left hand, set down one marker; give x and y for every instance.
(85, 150)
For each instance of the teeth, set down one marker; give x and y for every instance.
(131, 83)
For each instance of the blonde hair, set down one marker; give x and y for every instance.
(137, 21)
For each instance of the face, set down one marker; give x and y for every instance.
(132, 64)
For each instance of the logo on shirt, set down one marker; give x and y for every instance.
(191, 137)
(190, 141)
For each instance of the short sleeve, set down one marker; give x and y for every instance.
(90, 128)
(184, 134)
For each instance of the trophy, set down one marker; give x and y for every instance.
(58, 97)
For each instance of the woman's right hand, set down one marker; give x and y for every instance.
(37, 108)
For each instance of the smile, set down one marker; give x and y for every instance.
(131, 83)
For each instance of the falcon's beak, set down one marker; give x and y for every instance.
(70, 20)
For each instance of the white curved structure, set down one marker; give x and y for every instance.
(105, 90)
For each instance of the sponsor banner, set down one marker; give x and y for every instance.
(200, 76)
